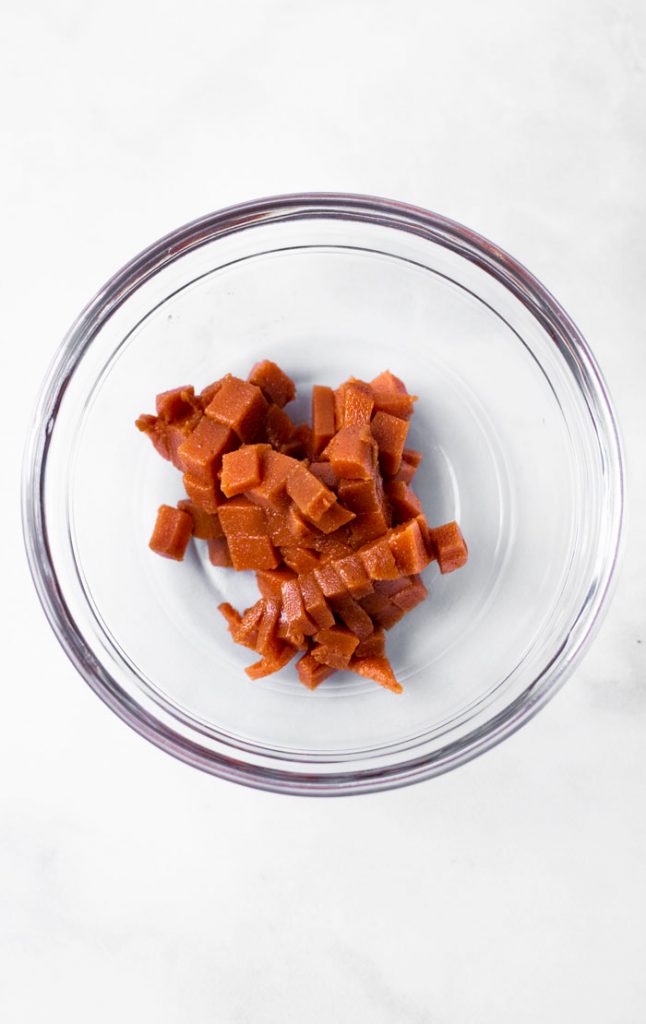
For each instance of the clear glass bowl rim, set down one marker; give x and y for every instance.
(339, 206)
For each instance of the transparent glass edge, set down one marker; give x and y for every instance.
(171, 247)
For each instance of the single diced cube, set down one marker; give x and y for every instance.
(330, 581)
(381, 610)
(172, 532)
(393, 404)
(390, 396)
(323, 471)
(379, 560)
(368, 526)
(404, 502)
(410, 596)
(312, 497)
(335, 517)
(278, 426)
(323, 419)
(450, 546)
(353, 573)
(276, 386)
(219, 553)
(357, 404)
(242, 518)
(390, 434)
(242, 469)
(176, 404)
(201, 454)
(353, 615)
(252, 552)
(378, 669)
(408, 547)
(335, 646)
(363, 495)
(271, 491)
(387, 381)
(204, 494)
(300, 559)
(294, 609)
(374, 646)
(205, 524)
(314, 600)
(270, 581)
(352, 453)
(240, 406)
(311, 673)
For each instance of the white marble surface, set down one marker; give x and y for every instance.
(133, 888)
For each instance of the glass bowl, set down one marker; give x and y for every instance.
(520, 445)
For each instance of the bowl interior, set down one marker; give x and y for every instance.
(509, 450)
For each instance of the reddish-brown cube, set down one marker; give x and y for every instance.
(450, 546)
(329, 581)
(311, 673)
(206, 495)
(299, 559)
(357, 404)
(240, 406)
(205, 524)
(273, 382)
(278, 426)
(335, 517)
(176, 404)
(242, 518)
(353, 573)
(408, 547)
(200, 455)
(314, 600)
(390, 434)
(403, 501)
(352, 453)
(312, 497)
(172, 532)
(353, 615)
(294, 609)
(379, 561)
(335, 646)
(242, 469)
(323, 419)
(252, 552)
(271, 491)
